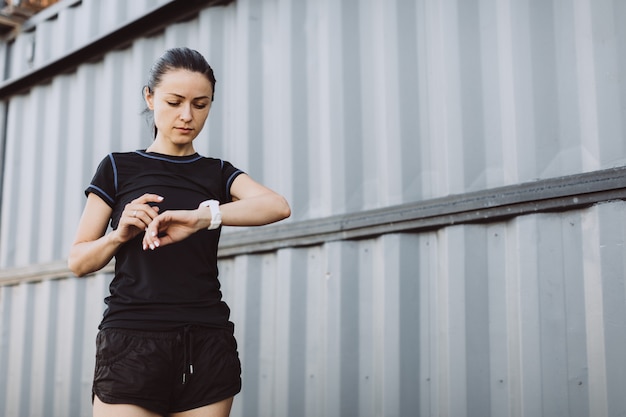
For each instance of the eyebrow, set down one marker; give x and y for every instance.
(195, 98)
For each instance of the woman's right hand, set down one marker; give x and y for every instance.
(136, 217)
(92, 248)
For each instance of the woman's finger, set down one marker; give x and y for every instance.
(150, 238)
(148, 198)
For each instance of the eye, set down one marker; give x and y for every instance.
(200, 106)
(173, 103)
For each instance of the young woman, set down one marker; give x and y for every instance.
(165, 345)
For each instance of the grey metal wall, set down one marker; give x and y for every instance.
(345, 107)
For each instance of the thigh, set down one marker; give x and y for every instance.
(219, 409)
(101, 409)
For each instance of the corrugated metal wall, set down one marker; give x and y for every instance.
(344, 107)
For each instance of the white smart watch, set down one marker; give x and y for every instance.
(216, 215)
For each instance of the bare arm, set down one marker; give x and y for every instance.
(92, 248)
(253, 205)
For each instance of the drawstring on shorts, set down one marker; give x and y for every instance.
(187, 340)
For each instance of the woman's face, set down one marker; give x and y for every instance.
(181, 104)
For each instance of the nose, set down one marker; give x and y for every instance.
(185, 112)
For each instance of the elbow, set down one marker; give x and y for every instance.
(277, 209)
(75, 267)
(285, 210)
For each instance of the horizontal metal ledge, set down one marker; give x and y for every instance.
(149, 23)
(555, 194)
(42, 272)
(496, 204)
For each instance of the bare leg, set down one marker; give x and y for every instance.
(101, 409)
(219, 409)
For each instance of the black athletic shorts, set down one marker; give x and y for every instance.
(166, 372)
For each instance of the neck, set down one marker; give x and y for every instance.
(172, 150)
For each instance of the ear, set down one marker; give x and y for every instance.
(149, 97)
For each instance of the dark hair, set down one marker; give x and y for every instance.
(175, 59)
(180, 58)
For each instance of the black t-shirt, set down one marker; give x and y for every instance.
(176, 284)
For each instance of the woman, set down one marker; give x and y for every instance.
(166, 345)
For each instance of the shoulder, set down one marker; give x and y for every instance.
(117, 157)
(214, 163)
(210, 160)
(125, 155)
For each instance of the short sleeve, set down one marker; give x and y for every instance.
(104, 183)
(229, 173)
